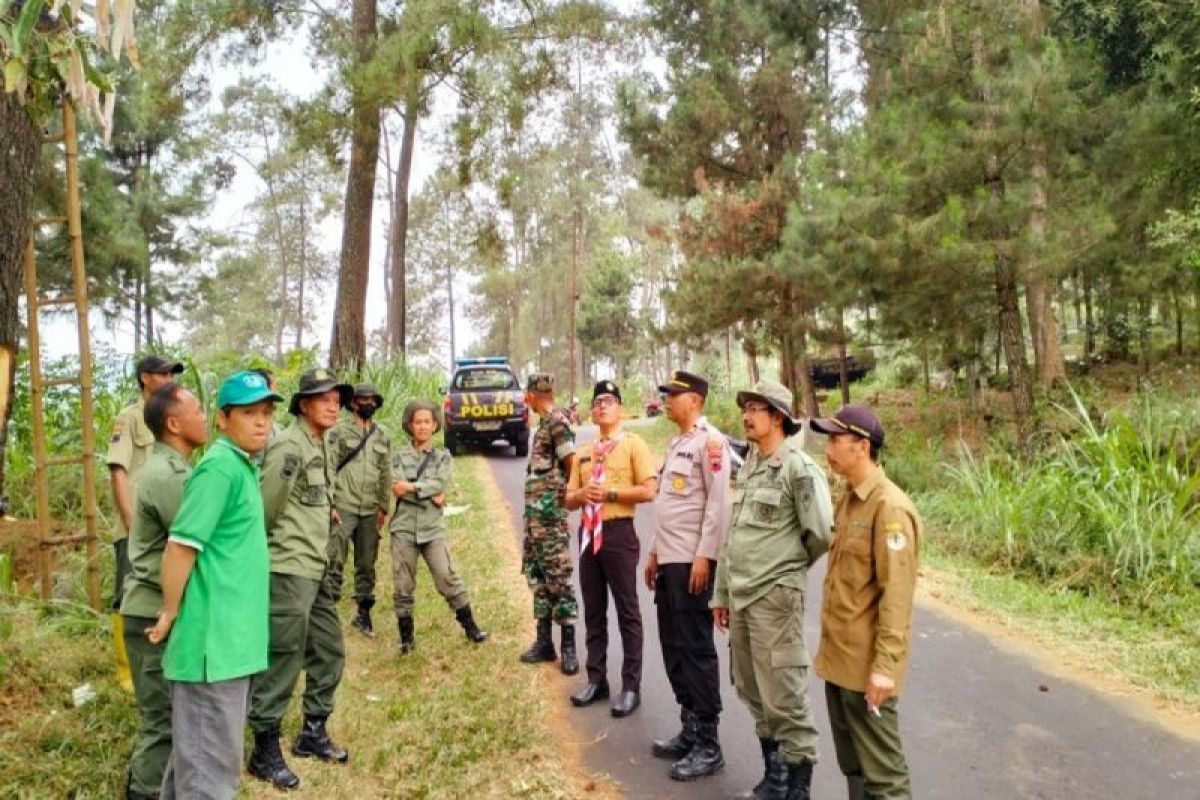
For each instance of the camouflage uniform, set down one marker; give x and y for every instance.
(546, 551)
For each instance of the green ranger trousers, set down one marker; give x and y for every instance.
(771, 670)
(153, 696)
(868, 747)
(359, 531)
(405, 553)
(305, 635)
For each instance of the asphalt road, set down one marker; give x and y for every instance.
(975, 719)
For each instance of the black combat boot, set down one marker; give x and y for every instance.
(773, 785)
(130, 794)
(681, 743)
(314, 741)
(266, 762)
(406, 635)
(856, 787)
(705, 757)
(543, 648)
(570, 660)
(468, 625)
(799, 780)
(362, 620)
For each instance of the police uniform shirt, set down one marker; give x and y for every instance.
(866, 612)
(691, 508)
(297, 502)
(130, 445)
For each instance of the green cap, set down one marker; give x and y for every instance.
(245, 388)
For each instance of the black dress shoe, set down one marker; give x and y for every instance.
(589, 694)
(626, 704)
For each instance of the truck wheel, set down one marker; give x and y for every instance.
(452, 444)
(521, 445)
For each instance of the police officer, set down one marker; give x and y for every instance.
(866, 616)
(362, 454)
(691, 510)
(297, 488)
(176, 418)
(781, 523)
(546, 548)
(128, 448)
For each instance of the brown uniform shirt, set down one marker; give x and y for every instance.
(866, 616)
(129, 446)
(629, 464)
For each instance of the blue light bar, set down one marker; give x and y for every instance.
(472, 362)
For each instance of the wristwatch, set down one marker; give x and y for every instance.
(611, 497)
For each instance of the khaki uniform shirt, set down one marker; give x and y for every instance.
(364, 485)
(417, 515)
(691, 509)
(297, 493)
(866, 615)
(629, 464)
(781, 522)
(159, 492)
(129, 447)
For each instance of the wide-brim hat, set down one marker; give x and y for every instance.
(411, 410)
(368, 390)
(775, 395)
(319, 381)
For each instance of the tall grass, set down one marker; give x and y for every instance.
(1110, 507)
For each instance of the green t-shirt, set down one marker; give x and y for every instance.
(159, 491)
(222, 629)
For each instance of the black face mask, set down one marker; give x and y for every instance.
(365, 412)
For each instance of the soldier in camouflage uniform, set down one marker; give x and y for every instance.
(306, 635)
(546, 550)
(362, 454)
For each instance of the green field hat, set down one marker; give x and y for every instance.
(319, 381)
(411, 410)
(368, 390)
(245, 388)
(777, 396)
(540, 382)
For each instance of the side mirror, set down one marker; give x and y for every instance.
(443, 390)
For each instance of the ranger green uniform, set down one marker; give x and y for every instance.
(297, 490)
(363, 490)
(159, 492)
(781, 524)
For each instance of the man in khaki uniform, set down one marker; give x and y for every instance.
(179, 425)
(866, 616)
(782, 517)
(362, 454)
(297, 494)
(128, 448)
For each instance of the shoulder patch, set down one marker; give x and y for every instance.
(897, 541)
(291, 465)
(804, 490)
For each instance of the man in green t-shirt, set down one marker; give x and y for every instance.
(216, 594)
(177, 420)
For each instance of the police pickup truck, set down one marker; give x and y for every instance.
(483, 403)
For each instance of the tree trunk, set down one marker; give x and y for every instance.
(18, 163)
(1177, 309)
(137, 314)
(843, 367)
(806, 390)
(398, 306)
(302, 270)
(348, 347)
(1089, 325)
(1051, 369)
(750, 348)
(450, 309)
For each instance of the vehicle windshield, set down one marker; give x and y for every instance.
(471, 379)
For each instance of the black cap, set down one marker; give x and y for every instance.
(157, 365)
(606, 387)
(858, 420)
(368, 390)
(685, 382)
(319, 381)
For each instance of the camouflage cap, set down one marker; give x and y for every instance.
(540, 382)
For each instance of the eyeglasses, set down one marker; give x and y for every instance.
(756, 408)
(604, 402)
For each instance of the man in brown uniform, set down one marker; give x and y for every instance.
(609, 477)
(866, 616)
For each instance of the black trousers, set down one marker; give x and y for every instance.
(613, 569)
(685, 629)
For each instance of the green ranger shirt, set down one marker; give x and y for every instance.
(417, 516)
(159, 492)
(781, 524)
(364, 484)
(222, 629)
(129, 447)
(297, 478)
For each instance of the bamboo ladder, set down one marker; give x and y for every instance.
(39, 383)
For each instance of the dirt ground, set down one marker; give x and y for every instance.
(19, 538)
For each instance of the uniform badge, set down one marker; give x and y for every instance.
(897, 541)
(805, 491)
(291, 465)
(116, 437)
(679, 483)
